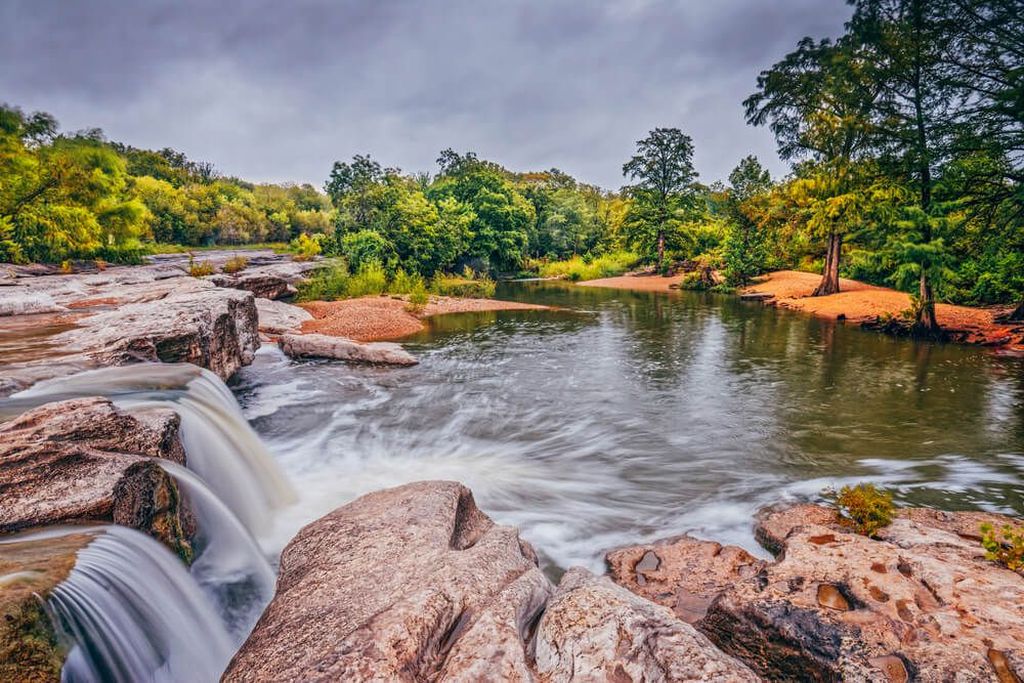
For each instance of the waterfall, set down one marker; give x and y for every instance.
(220, 445)
(229, 565)
(132, 612)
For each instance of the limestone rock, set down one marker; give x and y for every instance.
(84, 460)
(262, 285)
(594, 630)
(339, 348)
(277, 317)
(919, 603)
(684, 574)
(407, 584)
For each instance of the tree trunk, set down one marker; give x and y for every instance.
(926, 321)
(661, 250)
(830, 275)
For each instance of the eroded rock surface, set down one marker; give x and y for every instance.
(339, 348)
(684, 574)
(919, 603)
(277, 317)
(84, 460)
(407, 584)
(594, 630)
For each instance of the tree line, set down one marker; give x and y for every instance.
(905, 136)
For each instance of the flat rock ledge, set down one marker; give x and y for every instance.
(920, 602)
(415, 583)
(339, 348)
(84, 460)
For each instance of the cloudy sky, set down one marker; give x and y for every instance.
(276, 91)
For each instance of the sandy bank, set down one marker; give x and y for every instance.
(862, 303)
(639, 283)
(375, 318)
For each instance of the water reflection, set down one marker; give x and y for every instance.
(629, 416)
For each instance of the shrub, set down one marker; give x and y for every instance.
(418, 298)
(370, 279)
(864, 508)
(235, 264)
(326, 284)
(199, 268)
(469, 285)
(305, 247)
(590, 267)
(364, 247)
(406, 283)
(1008, 550)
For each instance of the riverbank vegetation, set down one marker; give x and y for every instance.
(905, 134)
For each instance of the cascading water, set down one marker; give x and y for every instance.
(229, 566)
(132, 612)
(221, 446)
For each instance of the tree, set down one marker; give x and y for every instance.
(664, 175)
(745, 243)
(817, 101)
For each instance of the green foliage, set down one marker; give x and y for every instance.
(326, 284)
(470, 285)
(305, 248)
(369, 279)
(418, 298)
(590, 268)
(1005, 547)
(235, 264)
(405, 283)
(864, 508)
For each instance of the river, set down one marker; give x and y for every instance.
(626, 416)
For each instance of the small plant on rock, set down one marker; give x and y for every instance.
(235, 264)
(199, 268)
(1005, 547)
(864, 508)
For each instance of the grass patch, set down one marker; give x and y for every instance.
(159, 248)
(235, 264)
(580, 268)
(468, 285)
(200, 268)
(864, 508)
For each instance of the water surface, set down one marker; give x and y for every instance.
(632, 416)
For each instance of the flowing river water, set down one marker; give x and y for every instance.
(630, 416)
(619, 417)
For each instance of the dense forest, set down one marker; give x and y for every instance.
(905, 135)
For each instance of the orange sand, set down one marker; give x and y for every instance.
(858, 302)
(374, 318)
(640, 283)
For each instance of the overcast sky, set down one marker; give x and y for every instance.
(276, 91)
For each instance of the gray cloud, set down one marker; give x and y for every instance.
(276, 91)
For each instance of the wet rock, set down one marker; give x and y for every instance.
(18, 301)
(339, 348)
(919, 603)
(594, 630)
(277, 317)
(407, 584)
(85, 460)
(684, 574)
(212, 328)
(29, 648)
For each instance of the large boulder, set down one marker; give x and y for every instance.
(594, 630)
(684, 574)
(277, 317)
(262, 285)
(407, 584)
(339, 348)
(85, 460)
(919, 603)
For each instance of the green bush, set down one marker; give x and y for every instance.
(406, 283)
(326, 284)
(369, 279)
(590, 267)
(864, 508)
(364, 247)
(305, 247)
(469, 285)
(418, 298)
(1006, 547)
